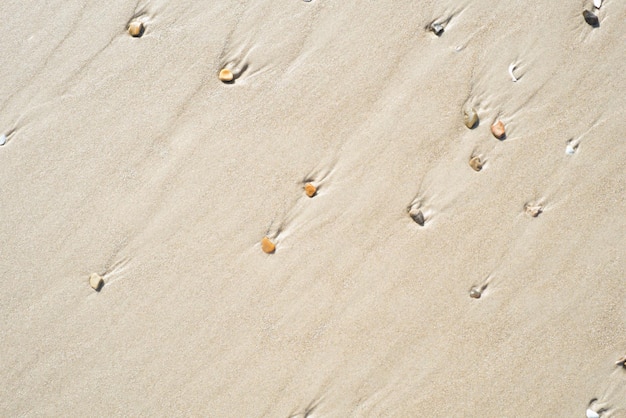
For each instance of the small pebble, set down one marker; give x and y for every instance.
(533, 210)
(267, 245)
(436, 28)
(497, 129)
(591, 18)
(621, 361)
(475, 293)
(475, 163)
(3, 139)
(226, 75)
(570, 150)
(96, 281)
(417, 216)
(310, 190)
(592, 414)
(597, 3)
(135, 29)
(470, 117)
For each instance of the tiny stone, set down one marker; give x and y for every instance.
(310, 190)
(592, 414)
(96, 281)
(267, 245)
(135, 29)
(476, 164)
(3, 139)
(470, 117)
(621, 361)
(533, 210)
(597, 3)
(497, 129)
(417, 216)
(226, 75)
(570, 150)
(591, 18)
(475, 293)
(436, 28)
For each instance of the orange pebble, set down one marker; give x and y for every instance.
(267, 245)
(497, 129)
(226, 75)
(135, 29)
(310, 190)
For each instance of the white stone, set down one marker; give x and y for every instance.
(570, 150)
(597, 3)
(96, 281)
(3, 139)
(592, 414)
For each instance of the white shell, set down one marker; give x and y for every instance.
(570, 150)
(592, 414)
(511, 68)
(597, 3)
(3, 139)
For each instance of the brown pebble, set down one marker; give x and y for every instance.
(417, 216)
(135, 29)
(96, 281)
(470, 117)
(475, 293)
(310, 190)
(267, 245)
(497, 129)
(476, 163)
(533, 210)
(226, 75)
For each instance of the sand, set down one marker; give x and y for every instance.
(128, 157)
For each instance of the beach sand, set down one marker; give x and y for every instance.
(128, 157)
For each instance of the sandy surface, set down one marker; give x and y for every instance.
(127, 157)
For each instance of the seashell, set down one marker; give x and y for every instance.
(436, 28)
(226, 75)
(136, 29)
(96, 281)
(591, 18)
(417, 216)
(533, 210)
(475, 163)
(511, 68)
(310, 190)
(267, 246)
(470, 117)
(3, 139)
(475, 293)
(592, 414)
(497, 129)
(597, 3)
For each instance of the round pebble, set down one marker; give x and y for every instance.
(267, 245)
(497, 129)
(475, 163)
(3, 139)
(475, 293)
(436, 28)
(226, 75)
(417, 216)
(310, 190)
(470, 117)
(135, 29)
(96, 281)
(591, 18)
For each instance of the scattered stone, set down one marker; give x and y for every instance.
(470, 117)
(591, 18)
(475, 293)
(497, 129)
(226, 75)
(621, 361)
(3, 139)
(475, 163)
(267, 246)
(592, 414)
(512, 68)
(597, 3)
(533, 210)
(96, 281)
(570, 150)
(417, 216)
(436, 28)
(136, 29)
(310, 190)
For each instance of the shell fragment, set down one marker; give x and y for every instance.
(3, 139)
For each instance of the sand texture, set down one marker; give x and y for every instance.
(127, 156)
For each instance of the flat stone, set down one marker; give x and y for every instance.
(470, 117)
(591, 18)
(96, 281)
(497, 129)
(267, 246)
(226, 75)
(417, 216)
(310, 190)
(135, 29)
(475, 163)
